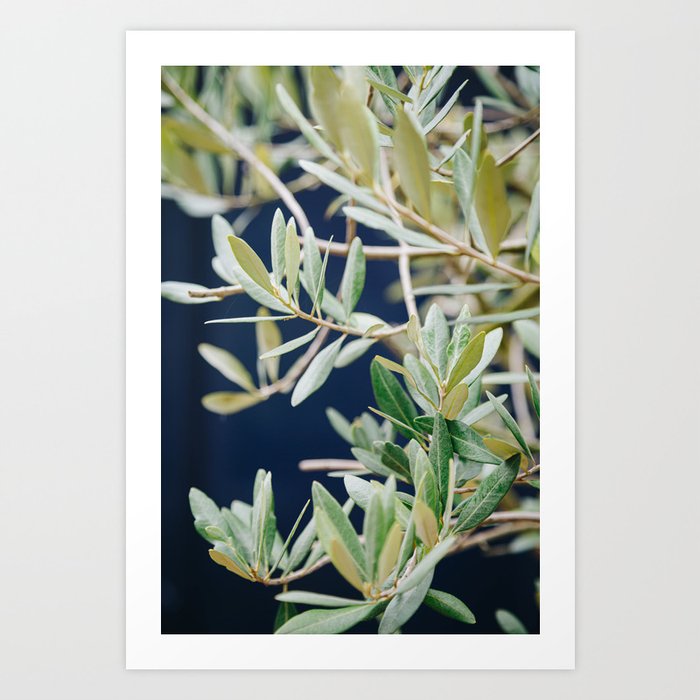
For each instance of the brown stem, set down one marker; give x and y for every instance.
(520, 147)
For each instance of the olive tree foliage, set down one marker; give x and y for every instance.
(446, 456)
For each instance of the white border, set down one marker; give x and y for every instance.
(146, 648)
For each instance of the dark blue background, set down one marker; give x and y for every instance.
(220, 455)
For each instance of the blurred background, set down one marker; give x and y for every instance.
(220, 455)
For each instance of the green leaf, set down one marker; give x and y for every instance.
(454, 401)
(312, 275)
(285, 612)
(353, 351)
(277, 237)
(505, 317)
(320, 599)
(436, 338)
(301, 547)
(292, 532)
(292, 257)
(532, 227)
(510, 423)
(393, 457)
(411, 156)
(341, 184)
(372, 462)
(226, 403)
(249, 319)
(426, 565)
(529, 334)
(492, 342)
(179, 293)
(444, 110)
(324, 87)
(509, 623)
(378, 222)
(268, 337)
(229, 563)
(353, 281)
(464, 177)
(468, 444)
(340, 424)
(206, 513)
(340, 526)
(252, 265)
(426, 522)
(491, 203)
(428, 396)
(480, 412)
(263, 522)
(390, 396)
(461, 335)
(440, 455)
(424, 477)
(390, 553)
(403, 606)
(358, 130)
(449, 606)
(317, 372)
(488, 495)
(312, 136)
(374, 532)
(226, 363)
(467, 361)
(534, 391)
(291, 344)
(332, 621)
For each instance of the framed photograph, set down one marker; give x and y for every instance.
(348, 292)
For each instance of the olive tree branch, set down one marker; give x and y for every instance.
(445, 237)
(505, 523)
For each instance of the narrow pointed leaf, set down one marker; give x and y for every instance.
(436, 338)
(317, 372)
(250, 262)
(510, 423)
(291, 345)
(341, 526)
(449, 606)
(334, 621)
(179, 293)
(403, 606)
(226, 403)
(467, 361)
(226, 363)
(440, 454)
(390, 396)
(319, 599)
(412, 163)
(509, 623)
(353, 281)
(454, 401)
(534, 391)
(491, 203)
(488, 495)
(277, 236)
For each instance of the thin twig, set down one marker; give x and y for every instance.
(237, 146)
(520, 147)
(445, 237)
